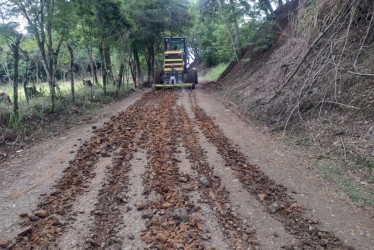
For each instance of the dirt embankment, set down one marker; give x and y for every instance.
(315, 82)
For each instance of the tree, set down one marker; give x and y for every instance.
(46, 20)
(13, 38)
(71, 71)
(112, 23)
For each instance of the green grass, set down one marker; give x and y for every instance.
(37, 113)
(358, 195)
(329, 169)
(215, 72)
(332, 170)
(43, 88)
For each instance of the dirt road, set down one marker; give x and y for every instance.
(173, 170)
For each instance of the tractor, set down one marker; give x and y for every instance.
(176, 71)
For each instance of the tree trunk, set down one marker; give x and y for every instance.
(280, 3)
(15, 49)
(108, 65)
(37, 70)
(71, 72)
(93, 68)
(139, 76)
(103, 67)
(150, 62)
(132, 69)
(26, 80)
(120, 75)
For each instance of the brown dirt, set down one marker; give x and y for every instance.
(153, 176)
(324, 103)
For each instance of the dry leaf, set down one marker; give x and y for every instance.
(262, 197)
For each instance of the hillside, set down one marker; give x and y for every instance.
(315, 83)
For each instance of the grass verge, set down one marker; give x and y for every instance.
(351, 188)
(214, 72)
(35, 119)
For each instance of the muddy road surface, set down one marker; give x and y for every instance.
(174, 170)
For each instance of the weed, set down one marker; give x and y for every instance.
(15, 120)
(246, 60)
(358, 195)
(365, 162)
(329, 169)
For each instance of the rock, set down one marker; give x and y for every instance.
(183, 179)
(57, 220)
(4, 243)
(131, 236)
(162, 219)
(312, 231)
(148, 223)
(250, 231)
(115, 247)
(46, 235)
(274, 208)
(94, 127)
(148, 214)
(32, 217)
(234, 214)
(97, 212)
(41, 213)
(205, 236)
(140, 206)
(25, 231)
(204, 181)
(180, 214)
(24, 215)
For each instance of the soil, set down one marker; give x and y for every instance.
(173, 170)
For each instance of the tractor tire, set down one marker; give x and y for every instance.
(157, 76)
(192, 77)
(196, 78)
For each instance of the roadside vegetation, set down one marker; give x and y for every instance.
(213, 73)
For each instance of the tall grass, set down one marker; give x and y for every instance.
(14, 127)
(214, 72)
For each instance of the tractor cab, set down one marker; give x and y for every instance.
(175, 72)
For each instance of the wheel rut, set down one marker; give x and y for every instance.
(162, 175)
(274, 198)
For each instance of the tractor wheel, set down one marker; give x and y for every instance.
(196, 78)
(157, 76)
(191, 77)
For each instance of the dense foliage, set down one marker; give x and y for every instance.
(118, 41)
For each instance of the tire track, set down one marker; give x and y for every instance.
(238, 233)
(172, 220)
(41, 226)
(273, 197)
(127, 138)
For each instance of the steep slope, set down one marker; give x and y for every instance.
(315, 81)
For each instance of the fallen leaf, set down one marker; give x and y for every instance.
(262, 197)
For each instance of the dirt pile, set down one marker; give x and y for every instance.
(316, 80)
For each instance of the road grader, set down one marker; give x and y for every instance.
(176, 71)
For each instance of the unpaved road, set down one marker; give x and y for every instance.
(172, 170)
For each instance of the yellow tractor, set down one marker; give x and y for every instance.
(176, 71)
